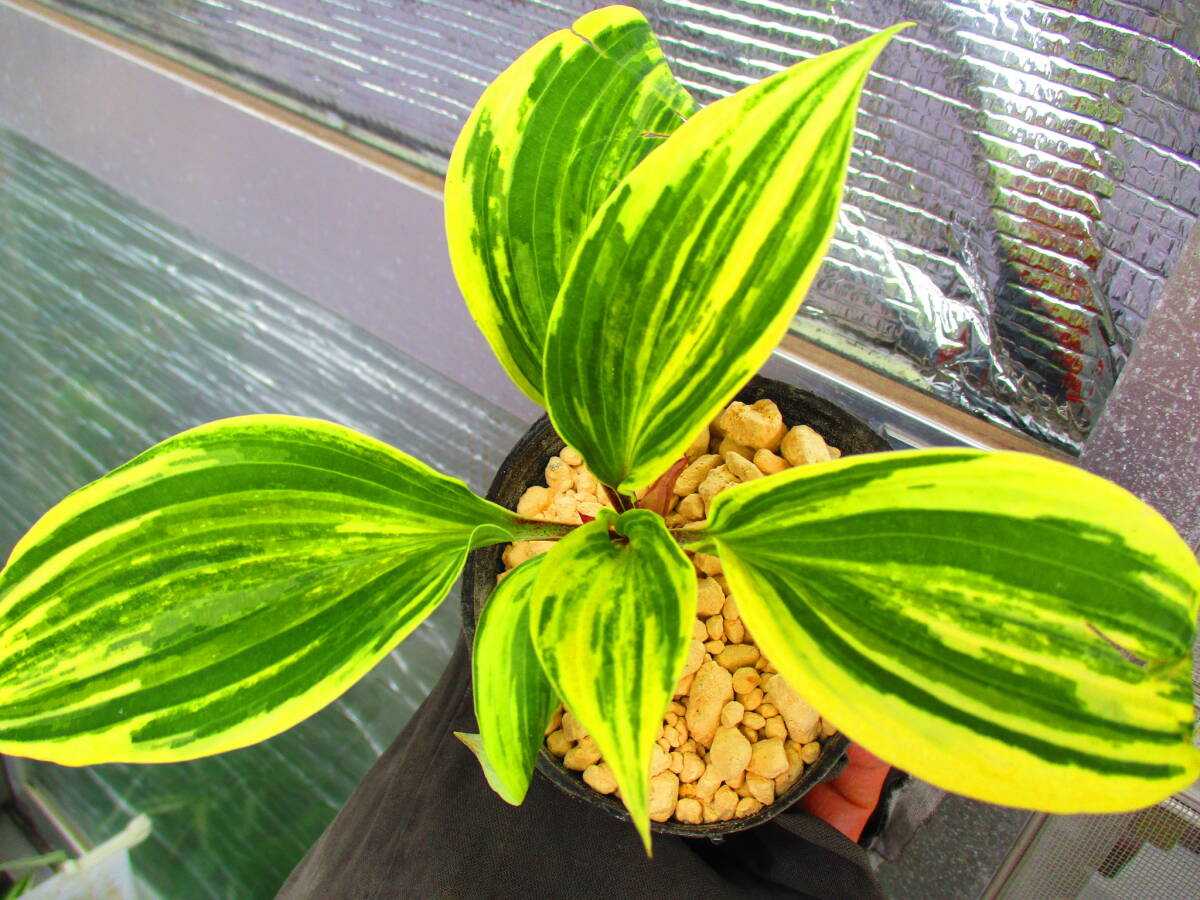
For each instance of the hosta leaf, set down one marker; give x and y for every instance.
(612, 617)
(221, 587)
(547, 142)
(1001, 625)
(687, 277)
(513, 698)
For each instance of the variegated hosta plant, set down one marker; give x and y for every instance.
(999, 624)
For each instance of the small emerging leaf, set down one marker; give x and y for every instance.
(221, 587)
(612, 614)
(687, 278)
(1003, 626)
(513, 698)
(544, 146)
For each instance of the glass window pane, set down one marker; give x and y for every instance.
(118, 330)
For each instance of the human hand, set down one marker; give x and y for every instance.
(847, 801)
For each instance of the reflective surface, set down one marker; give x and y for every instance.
(118, 330)
(1024, 176)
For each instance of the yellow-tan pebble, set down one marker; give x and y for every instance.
(533, 501)
(729, 445)
(750, 733)
(599, 777)
(735, 632)
(716, 481)
(693, 768)
(737, 656)
(768, 463)
(745, 680)
(582, 755)
(699, 445)
(768, 759)
(523, 550)
(707, 784)
(729, 754)
(759, 425)
(715, 647)
(725, 803)
(691, 508)
(715, 626)
(775, 728)
(732, 713)
(693, 476)
(795, 767)
(562, 510)
(555, 721)
(574, 730)
(586, 483)
(753, 720)
(810, 751)
(558, 742)
(711, 690)
(710, 599)
(684, 685)
(664, 792)
(761, 789)
(803, 722)
(741, 468)
(802, 446)
(828, 729)
(689, 811)
(729, 609)
(676, 764)
(753, 699)
(659, 761)
(767, 710)
(710, 565)
(699, 632)
(747, 806)
(720, 425)
(559, 475)
(695, 657)
(571, 456)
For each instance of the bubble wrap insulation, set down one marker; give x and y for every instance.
(1024, 175)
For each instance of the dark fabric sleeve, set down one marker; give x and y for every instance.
(424, 823)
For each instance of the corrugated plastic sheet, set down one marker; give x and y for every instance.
(118, 330)
(1024, 175)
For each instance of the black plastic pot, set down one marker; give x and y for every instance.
(525, 466)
